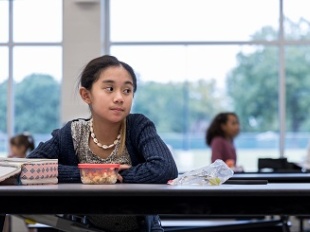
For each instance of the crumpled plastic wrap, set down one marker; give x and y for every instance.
(214, 174)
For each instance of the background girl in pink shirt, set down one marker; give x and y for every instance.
(220, 137)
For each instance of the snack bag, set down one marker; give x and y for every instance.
(214, 174)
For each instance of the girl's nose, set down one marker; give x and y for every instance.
(118, 97)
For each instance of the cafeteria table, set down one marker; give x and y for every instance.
(140, 199)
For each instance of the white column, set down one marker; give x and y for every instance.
(81, 43)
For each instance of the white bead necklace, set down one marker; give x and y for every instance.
(92, 134)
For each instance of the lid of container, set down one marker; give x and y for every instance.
(89, 165)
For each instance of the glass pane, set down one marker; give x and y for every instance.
(297, 15)
(4, 63)
(297, 102)
(4, 73)
(37, 75)
(195, 83)
(45, 60)
(188, 20)
(37, 21)
(4, 21)
(179, 63)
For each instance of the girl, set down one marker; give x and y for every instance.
(220, 137)
(21, 145)
(111, 135)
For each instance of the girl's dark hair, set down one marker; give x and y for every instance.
(24, 139)
(93, 69)
(215, 128)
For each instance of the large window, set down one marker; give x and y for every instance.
(193, 58)
(30, 68)
(197, 58)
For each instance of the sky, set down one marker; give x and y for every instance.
(165, 64)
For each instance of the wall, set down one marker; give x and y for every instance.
(81, 43)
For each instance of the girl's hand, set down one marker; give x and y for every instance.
(230, 163)
(122, 167)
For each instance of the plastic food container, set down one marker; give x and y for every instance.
(98, 173)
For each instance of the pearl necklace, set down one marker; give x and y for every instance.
(92, 134)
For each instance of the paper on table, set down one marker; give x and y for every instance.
(7, 171)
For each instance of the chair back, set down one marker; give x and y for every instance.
(276, 165)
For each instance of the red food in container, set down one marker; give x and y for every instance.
(98, 173)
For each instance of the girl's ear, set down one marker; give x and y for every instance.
(85, 95)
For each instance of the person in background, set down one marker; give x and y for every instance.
(111, 135)
(220, 138)
(21, 145)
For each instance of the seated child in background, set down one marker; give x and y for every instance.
(220, 138)
(21, 145)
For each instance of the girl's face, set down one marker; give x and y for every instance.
(111, 95)
(231, 127)
(18, 151)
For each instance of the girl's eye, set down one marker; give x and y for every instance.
(127, 91)
(109, 89)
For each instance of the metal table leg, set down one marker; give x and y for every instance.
(2, 219)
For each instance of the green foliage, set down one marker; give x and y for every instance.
(37, 103)
(178, 107)
(254, 83)
(205, 102)
(3, 105)
(298, 88)
(183, 106)
(152, 98)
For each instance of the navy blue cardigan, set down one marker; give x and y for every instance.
(152, 161)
